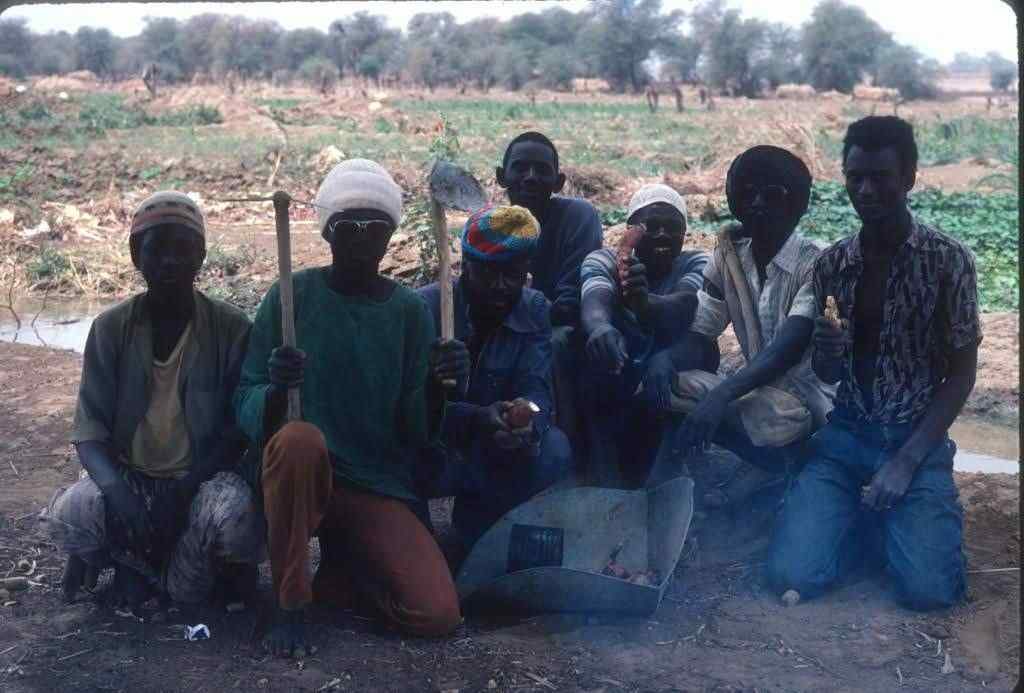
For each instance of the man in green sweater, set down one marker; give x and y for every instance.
(344, 472)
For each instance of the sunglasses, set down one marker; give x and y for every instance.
(673, 228)
(770, 194)
(349, 227)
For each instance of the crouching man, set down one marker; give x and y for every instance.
(635, 311)
(759, 281)
(345, 471)
(488, 460)
(155, 432)
(903, 347)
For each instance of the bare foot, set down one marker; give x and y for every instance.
(287, 635)
(129, 591)
(74, 578)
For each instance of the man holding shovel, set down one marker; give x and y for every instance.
(759, 281)
(498, 447)
(369, 402)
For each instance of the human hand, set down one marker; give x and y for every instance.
(490, 419)
(131, 526)
(169, 513)
(286, 366)
(700, 425)
(657, 382)
(606, 349)
(830, 338)
(889, 483)
(633, 277)
(449, 363)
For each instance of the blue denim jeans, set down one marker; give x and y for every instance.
(824, 533)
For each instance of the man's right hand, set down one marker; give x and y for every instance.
(490, 419)
(606, 349)
(132, 526)
(286, 366)
(830, 340)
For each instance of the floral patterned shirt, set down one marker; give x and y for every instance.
(930, 311)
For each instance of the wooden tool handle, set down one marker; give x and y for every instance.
(284, 266)
(444, 279)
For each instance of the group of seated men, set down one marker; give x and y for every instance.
(193, 473)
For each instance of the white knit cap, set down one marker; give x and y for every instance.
(358, 184)
(656, 192)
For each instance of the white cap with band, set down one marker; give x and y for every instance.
(653, 193)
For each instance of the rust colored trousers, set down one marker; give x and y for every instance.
(390, 561)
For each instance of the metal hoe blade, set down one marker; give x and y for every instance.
(455, 188)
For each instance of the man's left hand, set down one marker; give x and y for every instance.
(634, 286)
(889, 483)
(700, 426)
(170, 511)
(657, 391)
(449, 360)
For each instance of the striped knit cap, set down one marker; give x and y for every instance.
(358, 184)
(168, 207)
(162, 209)
(500, 234)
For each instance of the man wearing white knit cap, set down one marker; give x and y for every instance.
(344, 473)
(636, 304)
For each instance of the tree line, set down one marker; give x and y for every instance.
(627, 43)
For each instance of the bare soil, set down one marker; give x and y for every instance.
(718, 629)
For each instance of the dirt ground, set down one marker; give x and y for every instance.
(718, 628)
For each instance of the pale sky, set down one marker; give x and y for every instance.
(939, 29)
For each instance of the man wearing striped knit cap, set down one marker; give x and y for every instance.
(489, 458)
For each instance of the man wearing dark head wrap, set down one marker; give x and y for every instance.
(154, 430)
(759, 280)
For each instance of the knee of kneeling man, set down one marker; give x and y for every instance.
(442, 618)
(295, 444)
(556, 448)
(927, 593)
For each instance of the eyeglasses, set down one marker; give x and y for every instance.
(671, 228)
(769, 194)
(350, 227)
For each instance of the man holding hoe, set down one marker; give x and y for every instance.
(369, 403)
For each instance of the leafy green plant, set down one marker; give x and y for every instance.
(48, 264)
(227, 262)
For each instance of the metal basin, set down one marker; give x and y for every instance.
(650, 524)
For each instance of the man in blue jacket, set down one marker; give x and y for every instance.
(490, 462)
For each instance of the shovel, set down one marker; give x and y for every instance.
(455, 188)
(284, 264)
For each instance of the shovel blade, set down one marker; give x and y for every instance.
(455, 188)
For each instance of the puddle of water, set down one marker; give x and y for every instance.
(983, 446)
(63, 324)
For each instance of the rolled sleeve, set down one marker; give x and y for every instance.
(712, 315)
(804, 305)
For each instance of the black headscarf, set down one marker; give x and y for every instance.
(776, 162)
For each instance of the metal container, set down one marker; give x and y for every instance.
(511, 564)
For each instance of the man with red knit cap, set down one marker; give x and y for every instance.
(487, 458)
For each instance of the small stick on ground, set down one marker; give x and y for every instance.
(16, 472)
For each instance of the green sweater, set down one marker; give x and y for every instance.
(365, 378)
